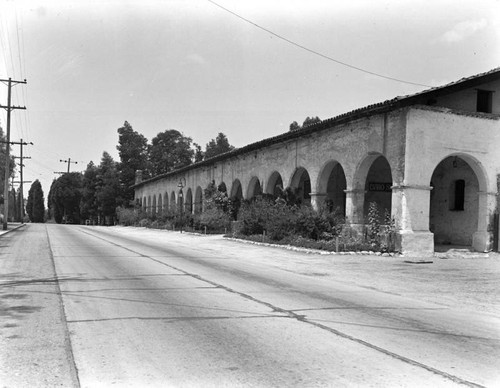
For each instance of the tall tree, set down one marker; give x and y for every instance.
(65, 195)
(218, 146)
(88, 204)
(199, 155)
(107, 189)
(169, 150)
(12, 165)
(35, 206)
(133, 152)
(294, 126)
(50, 201)
(310, 121)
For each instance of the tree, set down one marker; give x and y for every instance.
(12, 165)
(218, 146)
(133, 152)
(169, 150)
(88, 204)
(50, 201)
(294, 126)
(310, 121)
(35, 206)
(107, 192)
(307, 122)
(199, 155)
(65, 195)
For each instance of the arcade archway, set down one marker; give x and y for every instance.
(454, 200)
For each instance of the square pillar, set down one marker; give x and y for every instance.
(317, 200)
(482, 239)
(354, 206)
(410, 209)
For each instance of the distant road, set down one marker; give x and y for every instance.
(130, 308)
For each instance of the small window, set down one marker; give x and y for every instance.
(484, 101)
(457, 192)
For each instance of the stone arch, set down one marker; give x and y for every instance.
(165, 204)
(236, 190)
(372, 183)
(236, 197)
(254, 188)
(198, 200)
(173, 202)
(275, 184)
(458, 202)
(180, 200)
(378, 187)
(148, 209)
(189, 201)
(222, 187)
(144, 204)
(332, 185)
(153, 208)
(160, 204)
(300, 183)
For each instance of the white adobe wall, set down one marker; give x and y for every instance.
(433, 134)
(348, 144)
(414, 141)
(466, 100)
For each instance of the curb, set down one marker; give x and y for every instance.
(315, 251)
(3, 232)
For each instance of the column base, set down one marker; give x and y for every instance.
(415, 244)
(482, 241)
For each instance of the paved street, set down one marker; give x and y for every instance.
(128, 307)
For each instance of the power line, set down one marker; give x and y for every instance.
(25, 90)
(19, 48)
(316, 52)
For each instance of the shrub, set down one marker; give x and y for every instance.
(214, 219)
(276, 220)
(254, 215)
(129, 216)
(145, 223)
(280, 220)
(373, 222)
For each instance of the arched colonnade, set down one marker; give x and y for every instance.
(453, 204)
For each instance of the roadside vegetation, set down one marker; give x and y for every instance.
(103, 193)
(94, 196)
(278, 219)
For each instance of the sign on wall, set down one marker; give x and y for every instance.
(379, 186)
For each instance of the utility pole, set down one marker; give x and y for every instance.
(21, 203)
(68, 161)
(9, 107)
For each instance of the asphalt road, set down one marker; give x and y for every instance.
(100, 307)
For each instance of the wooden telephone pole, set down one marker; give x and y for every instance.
(21, 203)
(9, 107)
(68, 161)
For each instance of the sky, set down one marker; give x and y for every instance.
(244, 68)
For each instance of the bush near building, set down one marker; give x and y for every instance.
(278, 220)
(273, 220)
